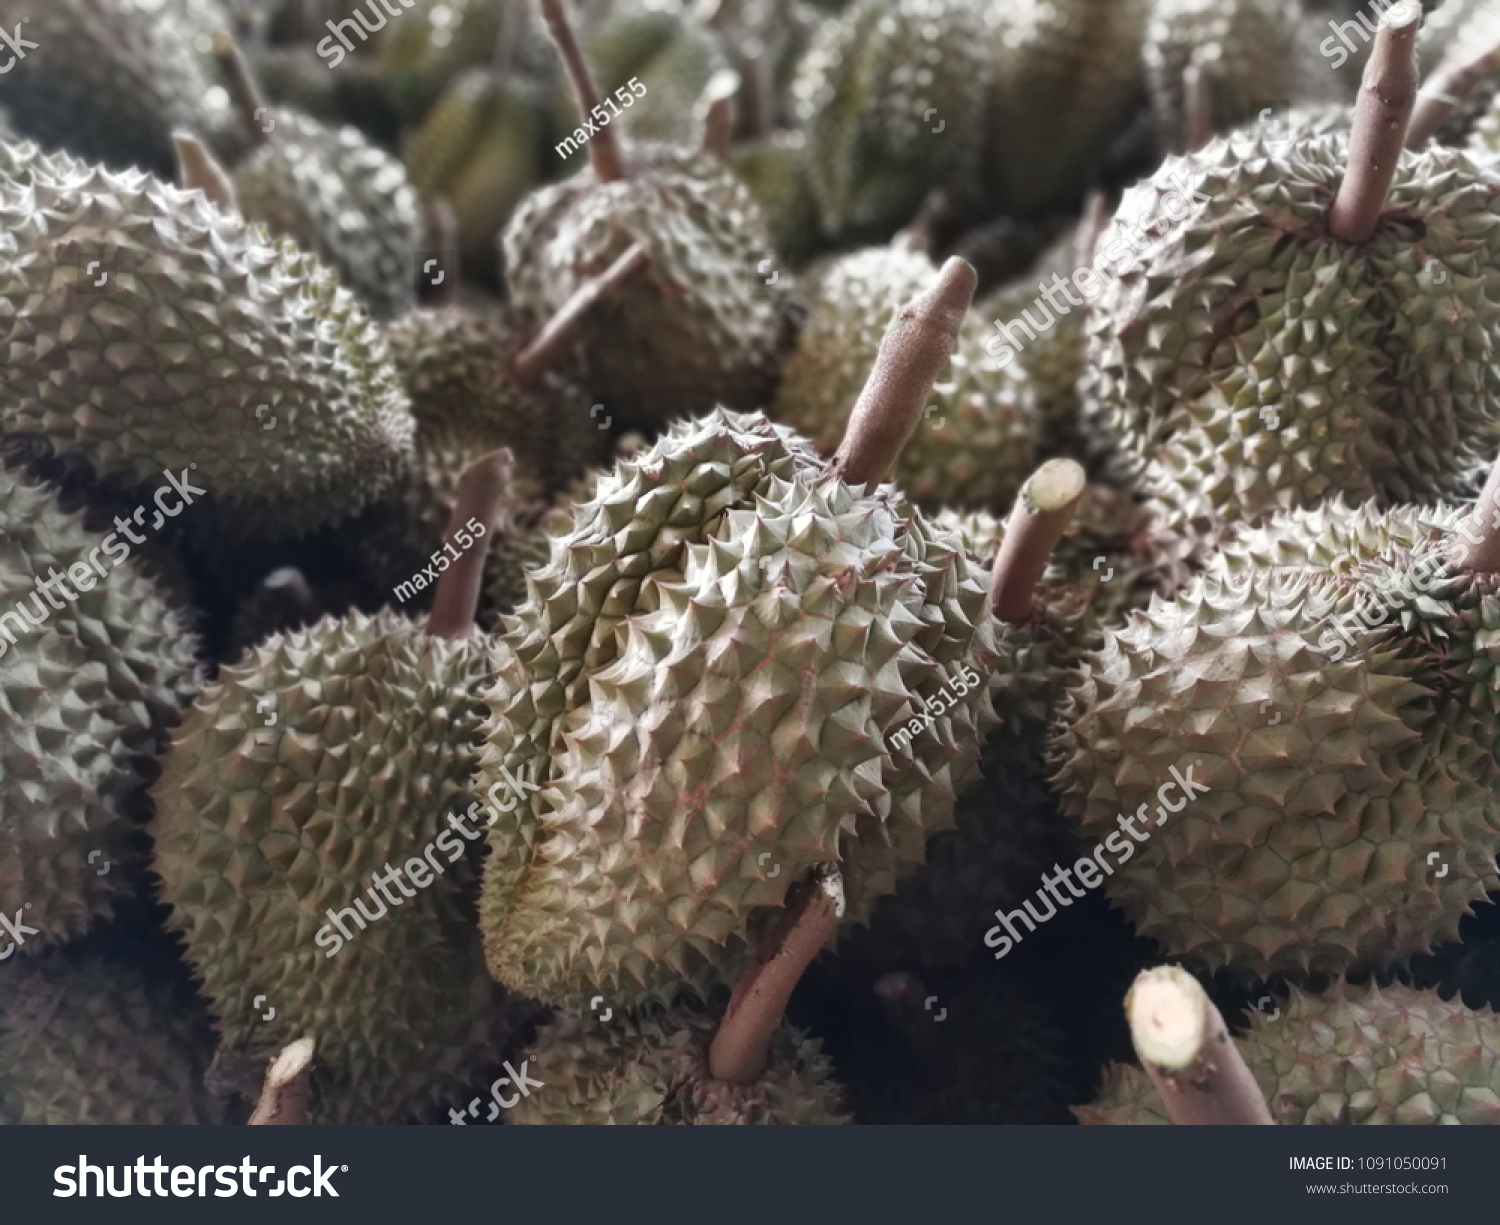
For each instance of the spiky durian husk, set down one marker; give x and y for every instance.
(1311, 848)
(652, 1068)
(874, 85)
(109, 80)
(1369, 1056)
(722, 627)
(1042, 148)
(697, 327)
(341, 198)
(202, 320)
(87, 691)
(264, 827)
(85, 1040)
(975, 444)
(1376, 359)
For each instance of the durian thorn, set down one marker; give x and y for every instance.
(913, 353)
(1377, 132)
(1040, 516)
(284, 1098)
(743, 1041)
(559, 332)
(1197, 109)
(196, 168)
(1186, 1049)
(1095, 218)
(482, 495)
(604, 150)
(1480, 545)
(757, 89)
(717, 111)
(240, 81)
(1453, 81)
(441, 224)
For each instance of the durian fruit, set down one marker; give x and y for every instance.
(1288, 331)
(1318, 699)
(890, 96)
(977, 440)
(1370, 1056)
(90, 681)
(652, 1067)
(85, 1039)
(727, 625)
(106, 80)
(696, 326)
(147, 331)
(331, 191)
(774, 168)
(1066, 80)
(331, 758)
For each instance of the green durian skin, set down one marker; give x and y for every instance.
(89, 1040)
(1370, 1056)
(341, 198)
(633, 678)
(209, 346)
(326, 756)
(652, 1069)
(87, 693)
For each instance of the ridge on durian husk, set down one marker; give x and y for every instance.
(1245, 362)
(1313, 847)
(87, 693)
(652, 1068)
(84, 1039)
(209, 344)
(724, 693)
(330, 753)
(1377, 1055)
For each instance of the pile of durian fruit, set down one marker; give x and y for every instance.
(632, 481)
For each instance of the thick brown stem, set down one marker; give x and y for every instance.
(912, 355)
(743, 1042)
(243, 91)
(1378, 130)
(482, 498)
(1186, 1049)
(1041, 515)
(1095, 218)
(515, 21)
(1479, 538)
(1453, 81)
(563, 328)
(284, 1099)
(717, 107)
(757, 90)
(196, 168)
(1197, 109)
(604, 149)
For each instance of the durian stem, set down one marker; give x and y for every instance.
(514, 23)
(563, 328)
(441, 224)
(1481, 540)
(481, 496)
(1444, 91)
(743, 1042)
(289, 587)
(1387, 94)
(242, 89)
(719, 112)
(196, 168)
(920, 233)
(1186, 1049)
(1040, 516)
(1197, 109)
(284, 1098)
(913, 353)
(1096, 217)
(604, 150)
(759, 92)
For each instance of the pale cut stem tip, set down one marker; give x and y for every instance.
(718, 109)
(1041, 514)
(1185, 1048)
(483, 496)
(196, 168)
(742, 1044)
(1197, 108)
(1095, 218)
(284, 1098)
(564, 328)
(1453, 81)
(1377, 133)
(914, 352)
(1480, 543)
(603, 146)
